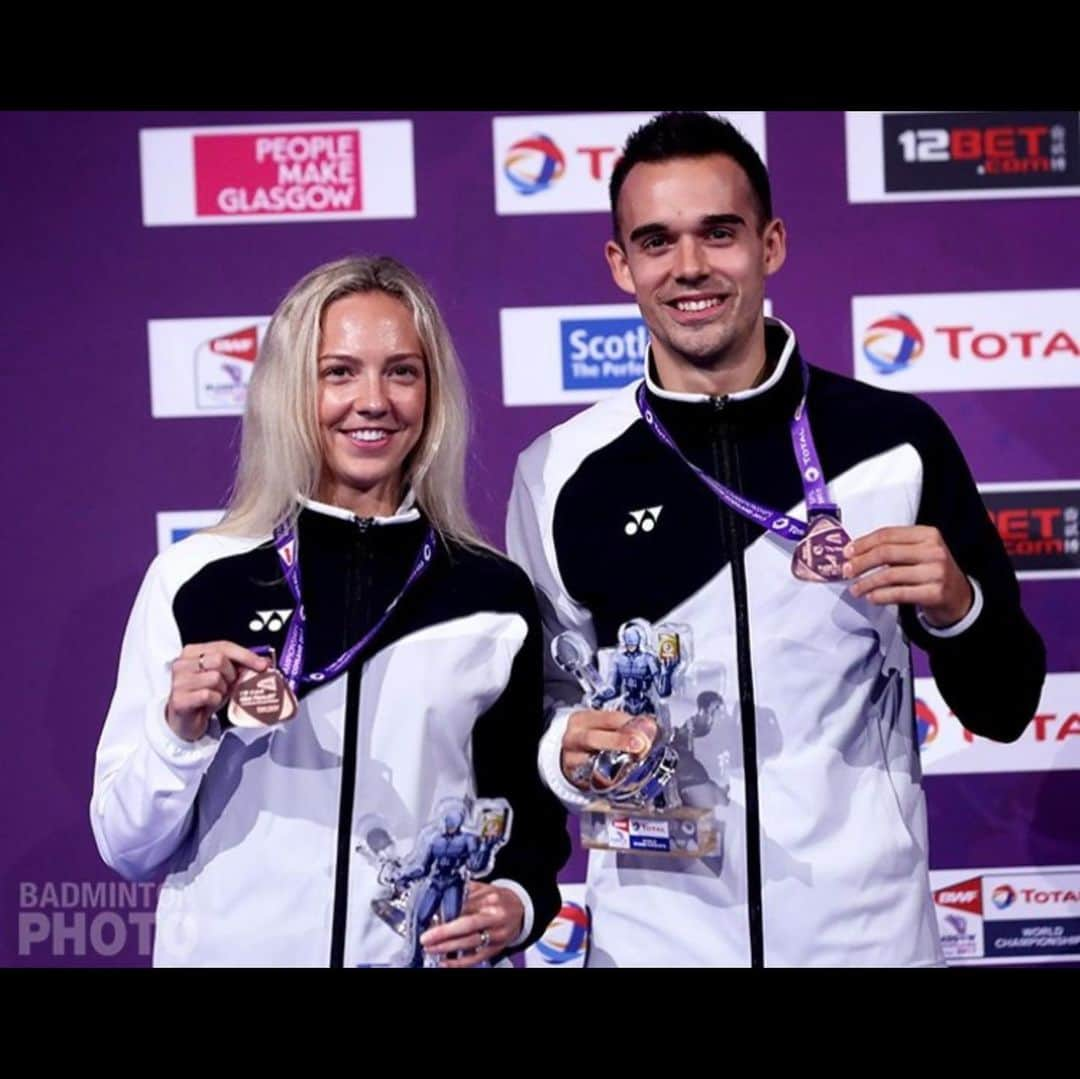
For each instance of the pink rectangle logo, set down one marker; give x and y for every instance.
(305, 173)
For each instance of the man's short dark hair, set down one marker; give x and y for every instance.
(691, 134)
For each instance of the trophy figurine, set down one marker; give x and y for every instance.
(637, 805)
(427, 887)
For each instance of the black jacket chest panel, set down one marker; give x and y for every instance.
(619, 569)
(349, 577)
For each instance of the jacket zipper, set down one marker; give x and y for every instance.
(358, 576)
(724, 468)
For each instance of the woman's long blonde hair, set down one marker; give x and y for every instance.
(281, 450)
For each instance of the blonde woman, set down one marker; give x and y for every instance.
(412, 651)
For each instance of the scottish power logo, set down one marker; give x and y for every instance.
(602, 354)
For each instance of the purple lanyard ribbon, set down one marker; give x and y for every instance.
(810, 471)
(291, 661)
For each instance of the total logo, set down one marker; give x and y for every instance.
(893, 343)
(562, 162)
(1045, 726)
(926, 724)
(968, 341)
(1039, 897)
(534, 164)
(1046, 743)
(566, 939)
(537, 162)
(1003, 896)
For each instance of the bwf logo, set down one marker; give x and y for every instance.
(269, 620)
(642, 520)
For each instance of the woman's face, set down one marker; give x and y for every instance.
(372, 394)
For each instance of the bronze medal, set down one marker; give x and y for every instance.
(262, 698)
(819, 555)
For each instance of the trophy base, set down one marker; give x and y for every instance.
(682, 832)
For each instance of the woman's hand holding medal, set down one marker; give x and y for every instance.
(203, 676)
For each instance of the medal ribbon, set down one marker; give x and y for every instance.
(810, 472)
(292, 652)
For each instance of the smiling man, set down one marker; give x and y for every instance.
(806, 527)
(698, 274)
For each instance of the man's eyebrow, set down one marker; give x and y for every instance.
(653, 228)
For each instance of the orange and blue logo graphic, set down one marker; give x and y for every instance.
(567, 937)
(892, 344)
(926, 724)
(1003, 896)
(534, 164)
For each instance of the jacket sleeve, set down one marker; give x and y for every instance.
(991, 665)
(145, 776)
(504, 744)
(530, 543)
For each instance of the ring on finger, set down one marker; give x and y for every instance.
(485, 938)
(202, 656)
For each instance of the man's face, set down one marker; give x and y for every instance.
(694, 256)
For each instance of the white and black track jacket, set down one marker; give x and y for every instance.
(254, 830)
(824, 840)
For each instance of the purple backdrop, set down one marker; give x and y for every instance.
(90, 466)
